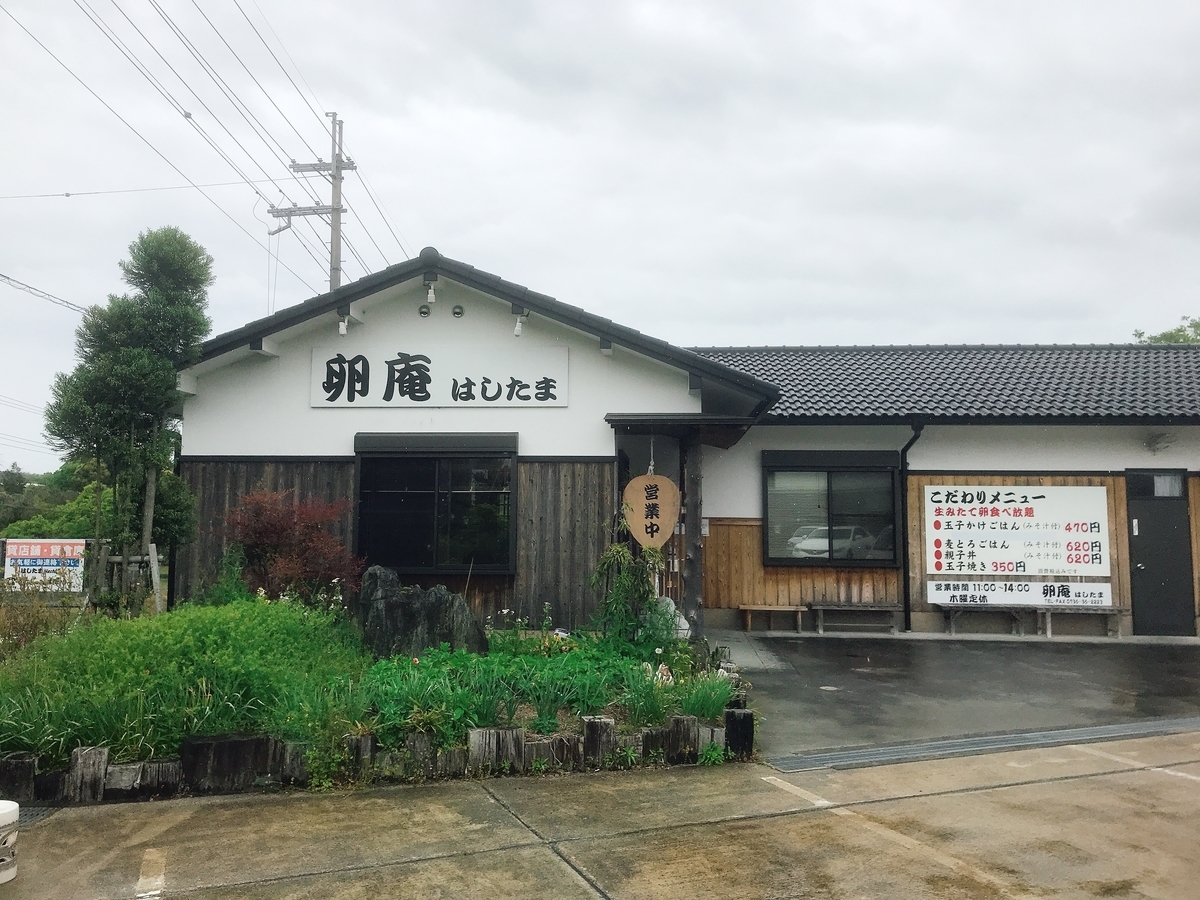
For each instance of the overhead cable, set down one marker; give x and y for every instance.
(22, 286)
(146, 141)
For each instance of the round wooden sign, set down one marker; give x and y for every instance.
(651, 504)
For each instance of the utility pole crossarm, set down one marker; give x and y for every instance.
(321, 166)
(286, 212)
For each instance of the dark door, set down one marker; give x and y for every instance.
(1160, 554)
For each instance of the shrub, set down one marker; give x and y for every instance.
(705, 697)
(288, 548)
(644, 699)
(711, 754)
(140, 686)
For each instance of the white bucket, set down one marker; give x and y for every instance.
(9, 812)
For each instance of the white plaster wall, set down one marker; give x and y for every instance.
(733, 480)
(260, 407)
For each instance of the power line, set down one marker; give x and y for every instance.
(316, 114)
(239, 106)
(266, 94)
(32, 445)
(24, 449)
(145, 141)
(22, 286)
(126, 51)
(14, 403)
(382, 214)
(174, 187)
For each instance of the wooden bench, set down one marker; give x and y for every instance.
(1045, 615)
(748, 611)
(820, 609)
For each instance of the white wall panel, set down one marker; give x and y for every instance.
(732, 478)
(261, 406)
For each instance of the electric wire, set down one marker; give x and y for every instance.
(146, 141)
(174, 187)
(33, 445)
(23, 449)
(14, 403)
(266, 94)
(125, 50)
(238, 103)
(317, 115)
(382, 214)
(22, 286)
(229, 95)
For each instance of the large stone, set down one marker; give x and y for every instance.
(400, 620)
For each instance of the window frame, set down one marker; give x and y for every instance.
(440, 448)
(829, 462)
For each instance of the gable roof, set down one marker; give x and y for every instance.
(1103, 384)
(430, 262)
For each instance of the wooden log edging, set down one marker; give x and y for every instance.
(233, 763)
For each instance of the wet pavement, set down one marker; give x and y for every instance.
(1116, 819)
(821, 692)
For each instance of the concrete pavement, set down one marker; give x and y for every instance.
(1117, 819)
(825, 692)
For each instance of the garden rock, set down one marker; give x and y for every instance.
(401, 620)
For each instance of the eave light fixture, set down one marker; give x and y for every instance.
(342, 326)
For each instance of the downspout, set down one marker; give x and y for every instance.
(917, 428)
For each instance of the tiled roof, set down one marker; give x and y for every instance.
(1144, 382)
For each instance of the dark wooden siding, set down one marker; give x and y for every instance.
(218, 484)
(564, 512)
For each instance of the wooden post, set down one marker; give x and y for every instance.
(156, 579)
(693, 555)
(85, 779)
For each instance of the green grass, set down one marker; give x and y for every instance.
(140, 686)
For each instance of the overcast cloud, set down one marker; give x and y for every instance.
(710, 173)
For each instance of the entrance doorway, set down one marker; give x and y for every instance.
(1160, 553)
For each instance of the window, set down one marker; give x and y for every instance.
(820, 514)
(436, 514)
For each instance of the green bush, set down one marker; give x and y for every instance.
(140, 686)
(705, 697)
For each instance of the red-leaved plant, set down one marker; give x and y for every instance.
(289, 549)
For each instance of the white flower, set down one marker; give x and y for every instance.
(658, 651)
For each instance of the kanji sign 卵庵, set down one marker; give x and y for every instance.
(435, 376)
(651, 504)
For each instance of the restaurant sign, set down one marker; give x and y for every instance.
(651, 505)
(1025, 530)
(419, 375)
(1018, 593)
(59, 564)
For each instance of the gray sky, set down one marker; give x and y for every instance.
(710, 173)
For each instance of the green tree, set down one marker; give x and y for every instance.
(118, 406)
(1186, 332)
(13, 480)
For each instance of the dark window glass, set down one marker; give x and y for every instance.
(830, 515)
(418, 513)
(861, 513)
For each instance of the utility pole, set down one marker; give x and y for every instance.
(335, 167)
